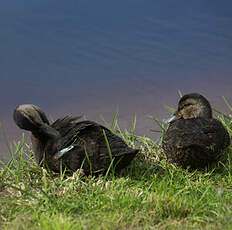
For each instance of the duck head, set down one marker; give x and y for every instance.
(32, 118)
(190, 106)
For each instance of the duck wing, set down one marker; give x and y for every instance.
(200, 132)
(195, 141)
(69, 129)
(89, 145)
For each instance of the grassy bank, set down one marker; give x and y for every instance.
(149, 194)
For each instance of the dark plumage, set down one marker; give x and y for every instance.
(73, 144)
(193, 137)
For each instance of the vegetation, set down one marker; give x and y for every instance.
(149, 194)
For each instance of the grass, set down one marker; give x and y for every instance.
(149, 194)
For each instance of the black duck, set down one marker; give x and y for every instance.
(194, 139)
(72, 144)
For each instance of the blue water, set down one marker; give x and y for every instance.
(87, 57)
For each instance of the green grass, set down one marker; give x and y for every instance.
(149, 194)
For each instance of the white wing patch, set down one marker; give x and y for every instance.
(60, 153)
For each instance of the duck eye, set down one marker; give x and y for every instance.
(186, 105)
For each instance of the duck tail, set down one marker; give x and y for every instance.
(125, 158)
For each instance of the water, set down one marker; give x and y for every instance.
(88, 57)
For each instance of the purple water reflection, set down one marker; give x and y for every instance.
(89, 57)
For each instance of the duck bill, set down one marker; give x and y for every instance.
(172, 118)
